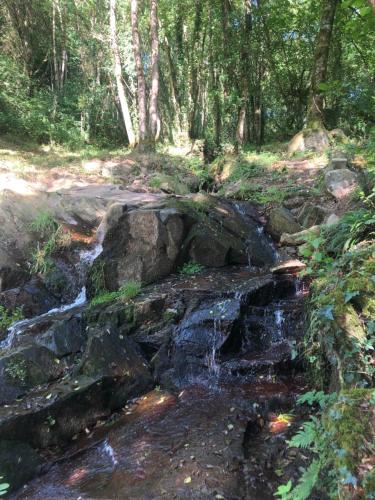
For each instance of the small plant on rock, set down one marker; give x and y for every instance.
(191, 268)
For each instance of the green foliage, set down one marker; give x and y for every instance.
(127, 291)
(4, 487)
(339, 437)
(53, 236)
(191, 268)
(7, 317)
(17, 370)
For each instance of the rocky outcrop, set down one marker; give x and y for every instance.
(149, 243)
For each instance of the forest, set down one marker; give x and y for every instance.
(187, 249)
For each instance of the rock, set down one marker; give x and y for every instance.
(281, 220)
(32, 297)
(149, 243)
(331, 220)
(300, 237)
(64, 337)
(338, 160)
(25, 368)
(206, 328)
(311, 215)
(309, 139)
(109, 355)
(19, 463)
(341, 183)
(289, 266)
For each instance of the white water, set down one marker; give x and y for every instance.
(109, 451)
(86, 258)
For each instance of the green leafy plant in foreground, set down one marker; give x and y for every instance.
(336, 435)
(128, 291)
(191, 268)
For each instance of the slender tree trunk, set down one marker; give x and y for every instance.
(244, 84)
(154, 117)
(319, 72)
(118, 75)
(174, 87)
(142, 116)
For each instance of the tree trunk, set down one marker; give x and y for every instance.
(244, 84)
(154, 117)
(142, 116)
(319, 72)
(118, 75)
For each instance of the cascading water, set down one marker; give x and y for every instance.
(86, 259)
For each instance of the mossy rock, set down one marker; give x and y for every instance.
(350, 426)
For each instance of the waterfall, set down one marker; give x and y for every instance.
(86, 259)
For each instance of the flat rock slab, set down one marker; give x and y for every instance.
(289, 266)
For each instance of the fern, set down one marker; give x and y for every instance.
(307, 481)
(305, 437)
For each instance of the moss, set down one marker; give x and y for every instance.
(348, 424)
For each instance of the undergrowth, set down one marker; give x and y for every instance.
(8, 317)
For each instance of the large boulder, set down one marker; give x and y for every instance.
(149, 243)
(281, 220)
(341, 183)
(26, 368)
(309, 140)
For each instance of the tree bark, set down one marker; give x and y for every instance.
(118, 75)
(142, 116)
(154, 117)
(319, 72)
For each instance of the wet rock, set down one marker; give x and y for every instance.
(109, 354)
(341, 183)
(281, 220)
(25, 368)
(19, 463)
(32, 297)
(64, 337)
(311, 215)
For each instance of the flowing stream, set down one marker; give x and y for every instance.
(86, 259)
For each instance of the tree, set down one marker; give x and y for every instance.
(320, 64)
(154, 118)
(118, 75)
(141, 83)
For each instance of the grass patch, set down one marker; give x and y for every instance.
(128, 291)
